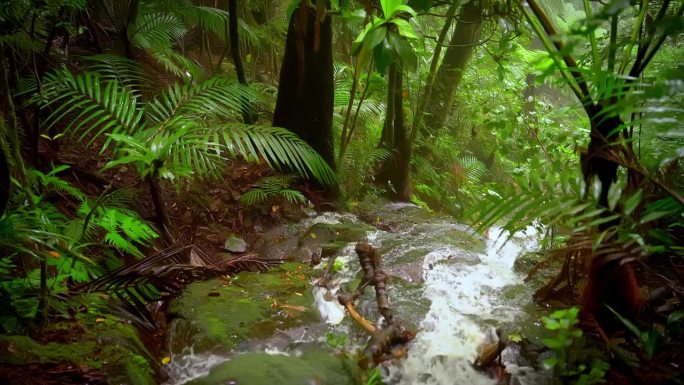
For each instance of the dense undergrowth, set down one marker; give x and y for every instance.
(137, 153)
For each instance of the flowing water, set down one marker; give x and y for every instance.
(453, 286)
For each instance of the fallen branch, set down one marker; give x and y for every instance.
(389, 341)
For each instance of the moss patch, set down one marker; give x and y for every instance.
(223, 313)
(111, 347)
(314, 367)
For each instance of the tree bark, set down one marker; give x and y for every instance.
(395, 171)
(247, 115)
(466, 34)
(305, 92)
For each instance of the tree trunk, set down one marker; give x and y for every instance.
(247, 115)
(395, 171)
(305, 92)
(466, 34)
(161, 216)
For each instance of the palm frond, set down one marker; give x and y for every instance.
(214, 98)
(87, 101)
(279, 147)
(179, 65)
(156, 31)
(473, 169)
(271, 187)
(208, 18)
(164, 275)
(126, 72)
(51, 181)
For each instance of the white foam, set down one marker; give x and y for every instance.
(187, 366)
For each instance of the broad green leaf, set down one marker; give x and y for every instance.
(388, 7)
(382, 54)
(404, 28)
(404, 51)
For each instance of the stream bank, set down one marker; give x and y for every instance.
(452, 286)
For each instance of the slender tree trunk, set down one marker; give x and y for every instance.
(305, 92)
(247, 116)
(395, 171)
(466, 34)
(162, 217)
(425, 98)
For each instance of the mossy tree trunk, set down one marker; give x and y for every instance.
(465, 37)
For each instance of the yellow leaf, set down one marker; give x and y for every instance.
(312, 235)
(275, 208)
(54, 254)
(100, 319)
(166, 360)
(299, 294)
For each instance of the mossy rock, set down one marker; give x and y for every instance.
(315, 367)
(219, 314)
(111, 346)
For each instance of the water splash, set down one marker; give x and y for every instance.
(461, 295)
(187, 366)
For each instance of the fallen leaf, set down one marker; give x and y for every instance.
(166, 360)
(100, 319)
(294, 307)
(312, 235)
(54, 254)
(299, 294)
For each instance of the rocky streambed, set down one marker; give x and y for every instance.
(453, 287)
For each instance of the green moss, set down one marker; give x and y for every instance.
(250, 306)
(261, 368)
(110, 346)
(17, 350)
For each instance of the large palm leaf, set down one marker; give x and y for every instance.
(186, 121)
(90, 106)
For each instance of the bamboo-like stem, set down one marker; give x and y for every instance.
(592, 39)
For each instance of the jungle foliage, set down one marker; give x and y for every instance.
(563, 114)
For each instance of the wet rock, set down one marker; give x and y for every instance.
(308, 244)
(411, 272)
(252, 305)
